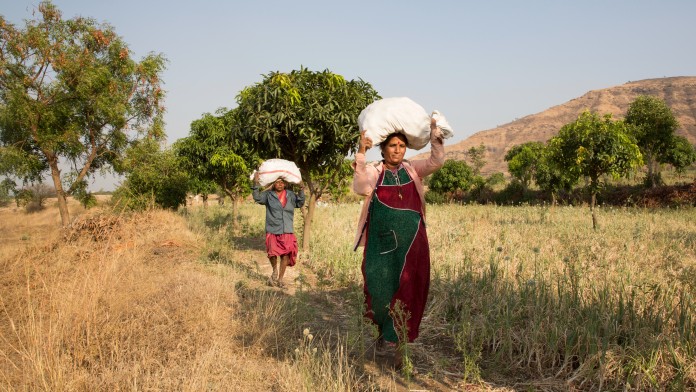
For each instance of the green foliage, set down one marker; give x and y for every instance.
(155, 178)
(216, 154)
(339, 181)
(549, 176)
(23, 197)
(455, 177)
(495, 179)
(7, 189)
(514, 192)
(594, 146)
(653, 125)
(33, 197)
(477, 157)
(309, 118)
(306, 117)
(71, 93)
(522, 161)
(86, 198)
(682, 155)
(432, 197)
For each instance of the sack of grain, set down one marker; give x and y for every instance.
(400, 114)
(272, 169)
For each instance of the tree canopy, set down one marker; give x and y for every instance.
(682, 155)
(306, 117)
(653, 125)
(72, 98)
(155, 178)
(592, 147)
(215, 151)
(454, 177)
(523, 160)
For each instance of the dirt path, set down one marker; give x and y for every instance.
(334, 312)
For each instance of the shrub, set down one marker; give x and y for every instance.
(432, 197)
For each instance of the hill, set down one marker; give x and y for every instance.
(678, 92)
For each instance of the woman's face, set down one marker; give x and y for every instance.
(279, 185)
(393, 150)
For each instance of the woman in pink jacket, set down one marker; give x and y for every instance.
(396, 257)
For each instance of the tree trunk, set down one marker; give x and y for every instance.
(235, 214)
(308, 215)
(60, 193)
(235, 209)
(594, 212)
(653, 170)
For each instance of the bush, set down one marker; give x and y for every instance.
(432, 197)
(155, 178)
(7, 188)
(33, 198)
(513, 193)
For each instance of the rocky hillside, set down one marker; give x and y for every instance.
(678, 92)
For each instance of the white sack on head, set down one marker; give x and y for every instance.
(400, 114)
(273, 169)
(442, 123)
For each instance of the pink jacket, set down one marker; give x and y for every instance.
(365, 178)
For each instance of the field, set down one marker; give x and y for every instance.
(522, 299)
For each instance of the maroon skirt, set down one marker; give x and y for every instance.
(281, 245)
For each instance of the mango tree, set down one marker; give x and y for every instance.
(522, 161)
(72, 98)
(653, 125)
(454, 177)
(215, 153)
(549, 176)
(593, 147)
(309, 118)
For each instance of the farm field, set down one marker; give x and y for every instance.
(521, 299)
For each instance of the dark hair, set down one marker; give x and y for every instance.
(392, 135)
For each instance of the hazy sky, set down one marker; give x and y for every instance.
(482, 63)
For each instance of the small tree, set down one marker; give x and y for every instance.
(7, 189)
(454, 177)
(653, 125)
(71, 96)
(33, 197)
(155, 178)
(592, 147)
(477, 157)
(523, 160)
(309, 118)
(216, 153)
(549, 176)
(682, 155)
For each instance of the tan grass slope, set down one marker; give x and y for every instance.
(678, 92)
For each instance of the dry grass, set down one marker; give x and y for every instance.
(533, 294)
(124, 303)
(522, 298)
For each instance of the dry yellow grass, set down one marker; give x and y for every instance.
(133, 311)
(166, 301)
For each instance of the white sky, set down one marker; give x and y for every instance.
(481, 63)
